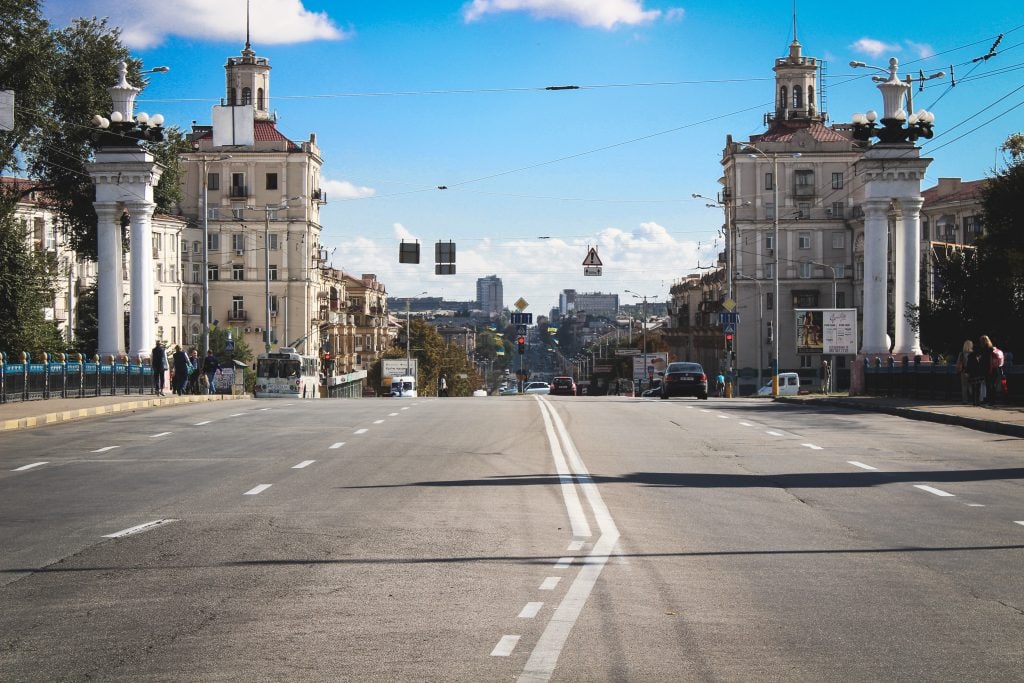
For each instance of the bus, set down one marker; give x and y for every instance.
(286, 374)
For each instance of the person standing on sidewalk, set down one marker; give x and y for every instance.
(158, 361)
(210, 368)
(985, 353)
(826, 377)
(182, 369)
(975, 377)
(961, 370)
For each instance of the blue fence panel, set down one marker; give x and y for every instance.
(36, 388)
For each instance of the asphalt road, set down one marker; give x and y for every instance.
(529, 538)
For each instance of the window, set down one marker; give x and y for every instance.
(838, 210)
(237, 271)
(159, 272)
(804, 240)
(213, 181)
(174, 304)
(237, 305)
(213, 273)
(273, 303)
(769, 243)
(783, 97)
(840, 269)
(159, 304)
(803, 210)
(238, 242)
(837, 181)
(211, 212)
(213, 241)
(272, 272)
(769, 209)
(805, 269)
(807, 361)
(231, 97)
(174, 334)
(925, 229)
(271, 213)
(769, 181)
(840, 299)
(971, 225)
(769, 301)
(197, 273)
(246, 96)
(798, 97)
(272, 241)
(260, 99)
(803, 183)
(804, 298)
(769, 270)
(238, 213)
(859, 269)
(839, 240)
(271, 181)
(196, 246)
(238, 185)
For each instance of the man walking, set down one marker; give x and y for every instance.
(158, 361)
(210, 367)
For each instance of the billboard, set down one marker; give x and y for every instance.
(656, 362)
(396, 367)
(830, 331)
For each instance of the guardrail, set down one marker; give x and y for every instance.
(69, 376)
(938, 381)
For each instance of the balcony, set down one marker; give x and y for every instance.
(238, 314)
(240, 191)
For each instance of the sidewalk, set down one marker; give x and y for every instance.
(998, 419)
(25, 414)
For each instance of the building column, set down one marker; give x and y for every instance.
(908, 276)
(109, 280)
(876, 262)
(141, 333)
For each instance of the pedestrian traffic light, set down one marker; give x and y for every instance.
(728, 341)
(522, 344)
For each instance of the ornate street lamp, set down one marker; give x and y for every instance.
(918, 125)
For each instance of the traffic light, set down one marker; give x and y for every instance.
(522, 344)
(728, 341)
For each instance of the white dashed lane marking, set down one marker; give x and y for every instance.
(774, 433)
(257, 490)
(378, 422)
(550, 583)
(136, 529)
(304, 463)
(563, 562)
(746, 424)
(204, 422)
(337, 445)
(505, 646)
(157, 436)
(861, 465)
(531, 610)
(105, 449)
(1020, 522)
(392, 414)
(361, 431)
(930, 489)
(28, 467)
(811, 446)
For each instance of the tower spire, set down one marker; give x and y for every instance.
(794, 21)
(248, 46)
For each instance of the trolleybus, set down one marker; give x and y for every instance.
(287, 374)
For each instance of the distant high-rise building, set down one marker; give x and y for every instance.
(489, 295)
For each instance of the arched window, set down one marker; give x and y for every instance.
(798, 97)
(231, 97)
(810, 97)
(246, 96)
(782, 98)
(259, 100)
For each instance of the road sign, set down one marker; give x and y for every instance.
(592, 270)
(521, 330)
(627, 352)
(729, 305)
(522, 318)
(728, 318)
(592, 258)
(729, 328)
(521, 304)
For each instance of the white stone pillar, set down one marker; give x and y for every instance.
(109, 280)
(908, 276)
(876, 261)
(141, 334)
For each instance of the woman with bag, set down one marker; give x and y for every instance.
(182, 370)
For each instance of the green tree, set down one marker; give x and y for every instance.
(167, 193)
(26, 288)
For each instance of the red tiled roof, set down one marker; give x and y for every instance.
(783, 131)
(969, 190)
(263, 131)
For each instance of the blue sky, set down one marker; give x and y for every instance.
(407, 96)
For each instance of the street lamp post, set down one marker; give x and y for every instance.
(643, 329)
(206, 249)
(834, 293)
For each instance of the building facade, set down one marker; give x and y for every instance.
(490, 295)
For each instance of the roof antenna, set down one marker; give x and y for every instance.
(794, 21)
(248, 47)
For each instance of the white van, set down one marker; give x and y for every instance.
(789, 385)
(403, 386)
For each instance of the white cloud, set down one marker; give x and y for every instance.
(343, 189)
(647, 259)
(873, 47)
(923, 50)
(272, 21)
(607, 14)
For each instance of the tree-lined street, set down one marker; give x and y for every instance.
(517, 537)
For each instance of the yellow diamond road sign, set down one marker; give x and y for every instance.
(729, 305)
(521, 304)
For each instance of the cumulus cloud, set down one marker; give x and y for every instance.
(343, 189)
(923, 50)
(606, 14)
(874, 47)
(144, 26)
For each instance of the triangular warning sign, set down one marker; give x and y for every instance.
(592, 258)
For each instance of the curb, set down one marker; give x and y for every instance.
(991, 426)
(126, 406)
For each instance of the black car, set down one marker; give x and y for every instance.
(563, 386)
(684, 379)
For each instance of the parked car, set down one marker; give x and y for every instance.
(684, 379)
(563, 386)
(537, 388)
(789, 385)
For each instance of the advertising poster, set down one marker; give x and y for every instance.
(656, 362)
(829, 331)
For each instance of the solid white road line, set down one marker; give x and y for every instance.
(28, 467)
(861, 465)
(304, 463)
(204, 422)
(105, 449)
(505, 646)
(337, 445)
(577, 518)
(236, 414)
(263, 408)
(136, 529)
(378, 422)
(361, 431)
(563, 562)
(552, 581)
(157, 436)
(974, 505)
(746, 424)
(811, 446)
(257, 490)
(531, 609)
(929, 489)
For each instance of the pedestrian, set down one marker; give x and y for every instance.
(826, 377)
(444, 386)
(195, 373)
(720, 385)
(158, 361)
(975, 377)
(210, 369)
(961, 370)
(991, 358)
(182, 370)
